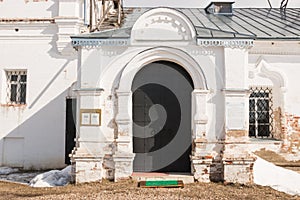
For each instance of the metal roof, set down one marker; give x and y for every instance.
(245, 23)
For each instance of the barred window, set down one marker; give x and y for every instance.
(260, 112)
(16, 86)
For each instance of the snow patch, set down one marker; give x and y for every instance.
(7, 170)
(278, 178)
(52, 178)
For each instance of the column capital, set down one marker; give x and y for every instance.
(123, 93)
(236, 91)
(201, 91)
(89, 91)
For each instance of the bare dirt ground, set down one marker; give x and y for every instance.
(128, 190)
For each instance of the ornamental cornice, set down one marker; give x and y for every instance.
(227, 43)
(96, 42)
(275, 52)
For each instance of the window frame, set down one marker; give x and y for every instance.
(19, 83)
(260, 112)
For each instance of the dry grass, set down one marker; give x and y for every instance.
(278, 160)
(271, 156)
(129, 190)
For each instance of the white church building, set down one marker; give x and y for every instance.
(129, 87)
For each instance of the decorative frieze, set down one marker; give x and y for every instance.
(98, 42)
(241, 44)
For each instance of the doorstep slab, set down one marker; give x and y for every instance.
(157, 176)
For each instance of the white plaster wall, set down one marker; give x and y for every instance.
(293, 92)
(21, 9)
(38, 129)
(288, 66)
(41, 8)
(41, 123)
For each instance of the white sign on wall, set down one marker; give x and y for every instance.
(85, 118)
(95, 117)
(90, 117)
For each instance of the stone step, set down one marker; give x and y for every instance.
(153, 176)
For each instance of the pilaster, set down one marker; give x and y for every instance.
(124, 155)
(87, 156)
(68, 22)
(201, 158)
(237, 159)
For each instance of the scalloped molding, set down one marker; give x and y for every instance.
(265, 70)
(163, 25)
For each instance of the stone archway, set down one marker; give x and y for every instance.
(124, 155)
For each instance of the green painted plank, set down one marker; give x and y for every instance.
(162, 183)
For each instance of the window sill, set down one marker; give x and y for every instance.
(14, 105)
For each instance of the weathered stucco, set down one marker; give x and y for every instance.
(293, 133)
(36, 37)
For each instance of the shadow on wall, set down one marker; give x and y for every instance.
(54, 9)
(39, 142)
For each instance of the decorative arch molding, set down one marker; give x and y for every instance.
(162, 54)
(124, 142)
(265, 70)
(163, 25)
(278, 78)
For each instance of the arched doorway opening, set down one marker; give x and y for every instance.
(161, 112)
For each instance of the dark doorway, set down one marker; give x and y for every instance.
(162, 118)
(70, 128)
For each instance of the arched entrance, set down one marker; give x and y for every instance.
(161, 103)
(124, 154)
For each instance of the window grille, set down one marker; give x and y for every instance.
(16, 86)
(260, 112)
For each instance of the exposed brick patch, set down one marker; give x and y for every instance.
(292, 130)
(237, 133)
(278, 124)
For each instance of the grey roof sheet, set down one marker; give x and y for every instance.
(245, 23)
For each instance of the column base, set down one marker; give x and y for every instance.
(86, 169)
(123, 166)
(239, 170)
(201, 168)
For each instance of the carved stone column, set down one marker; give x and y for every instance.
(201, 158)
(124, 156)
